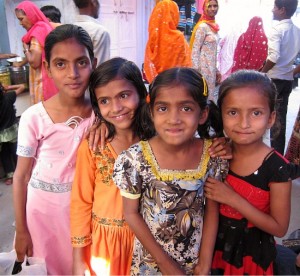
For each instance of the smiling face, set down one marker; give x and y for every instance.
(70, 67)
(246, 115)
(211, 8)
(23, 19)
(176, 115)
(118, 101)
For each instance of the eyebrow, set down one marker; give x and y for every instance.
(108, 97)
(183, 102)
(64, 59)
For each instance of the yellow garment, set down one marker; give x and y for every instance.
(97, 213)
(166, 47)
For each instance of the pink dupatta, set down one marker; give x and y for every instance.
(40, 29)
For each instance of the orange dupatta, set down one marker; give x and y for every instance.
(166, 46)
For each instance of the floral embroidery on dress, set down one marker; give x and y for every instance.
(105, 164)
(25, 151)
(81, 240)
(168, 175)
(50, 187)
(109, 221)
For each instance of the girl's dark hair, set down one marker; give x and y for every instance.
(195, 84)
(120, 68)
(289, 5)
(254, 79)
(67, 31)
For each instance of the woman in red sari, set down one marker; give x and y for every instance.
(34, 21)
(252, 47)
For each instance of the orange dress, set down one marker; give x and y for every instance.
(97, 213)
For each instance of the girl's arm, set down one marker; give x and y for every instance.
(209, 233)
(82, 200)
(18, 88)
(275, 223)
(166, 264)
(80, 255)
(23, 243)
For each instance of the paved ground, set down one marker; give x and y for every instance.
(6, 204)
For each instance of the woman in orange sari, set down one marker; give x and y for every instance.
(166, 46)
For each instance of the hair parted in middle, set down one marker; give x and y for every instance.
(196, 85)
(67, 31)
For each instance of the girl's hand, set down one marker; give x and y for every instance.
(79, 268)
(171, 268)
(219, 191)
(96, 134)
(80, 256)
(23, 245)
(199, 270)
(221, 147)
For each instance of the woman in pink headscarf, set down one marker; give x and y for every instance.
(252, 47)
(34, 21)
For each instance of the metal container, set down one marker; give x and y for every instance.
(5, 76)
(19, 75)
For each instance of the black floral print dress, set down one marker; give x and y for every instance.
(171, 203)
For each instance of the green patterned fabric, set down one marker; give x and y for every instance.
(9, 134)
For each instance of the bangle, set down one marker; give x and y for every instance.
(26, 50)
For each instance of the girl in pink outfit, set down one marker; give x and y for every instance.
(49, 135)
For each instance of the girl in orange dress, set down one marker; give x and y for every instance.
(102, 241)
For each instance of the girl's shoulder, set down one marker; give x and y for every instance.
(36, 114)
(34, 110)
(132, 151)
(275, 167)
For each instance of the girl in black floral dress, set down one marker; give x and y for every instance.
(162, 179)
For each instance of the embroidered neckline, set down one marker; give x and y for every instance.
(169, 175)
(74, 120)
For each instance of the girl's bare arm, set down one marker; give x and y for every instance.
(275, 223)
(23, 243)
(209, 234)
